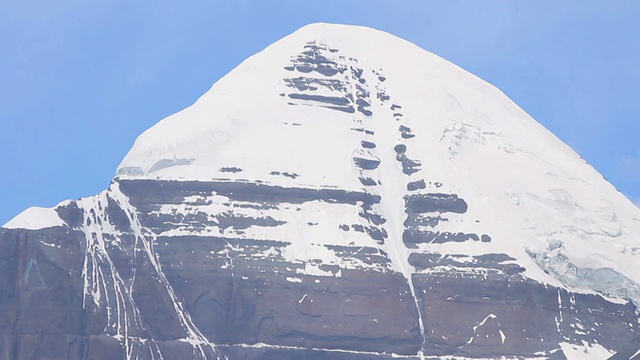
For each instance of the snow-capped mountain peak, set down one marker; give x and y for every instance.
(336, 106)
(345, 192)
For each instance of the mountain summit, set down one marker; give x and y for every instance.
(342, 194)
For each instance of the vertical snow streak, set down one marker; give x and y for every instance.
(393, 191)
(559, 319)
(104, 284)
(393, 207)
(195, 337)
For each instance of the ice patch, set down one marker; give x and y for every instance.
(603, 280)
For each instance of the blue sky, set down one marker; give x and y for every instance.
(79, 80)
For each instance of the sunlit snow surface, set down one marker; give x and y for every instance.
(338, 138)
(292, 116)
(35, 218)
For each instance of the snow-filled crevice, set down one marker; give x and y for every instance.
(391, 183)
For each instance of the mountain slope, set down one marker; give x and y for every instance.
(341, 193)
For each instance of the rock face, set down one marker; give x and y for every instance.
(332, 199)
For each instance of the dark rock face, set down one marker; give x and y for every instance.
(114, 283)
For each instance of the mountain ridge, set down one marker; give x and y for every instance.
(327, 159)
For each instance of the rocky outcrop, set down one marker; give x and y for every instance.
(113, 283)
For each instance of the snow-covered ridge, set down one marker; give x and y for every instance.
(35, 218)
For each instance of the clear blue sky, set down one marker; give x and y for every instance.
(80, 80)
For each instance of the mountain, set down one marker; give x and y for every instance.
(343, 194)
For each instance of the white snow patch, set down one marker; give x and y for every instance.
(302, 299)
(35, 218)
(585, 351)
(50, 245)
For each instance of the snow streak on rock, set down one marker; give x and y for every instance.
(113, 258)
